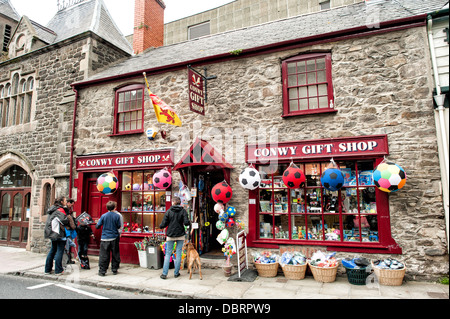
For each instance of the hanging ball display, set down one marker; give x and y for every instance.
(162, 179)
(218, 208)
(240, 224)
(223, 217)
(389, 177)
(107, 183)
(250, 178)
(220, 225)
(293, 177)
(230, 222)
(231, 211)
(332, 179)
(222, 192)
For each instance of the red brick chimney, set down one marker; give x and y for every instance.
(148, 24)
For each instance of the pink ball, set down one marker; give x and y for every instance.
(162, 179)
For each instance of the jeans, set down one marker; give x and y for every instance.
(83, 247)
(169, 250)
(56, 252)
(109, 250)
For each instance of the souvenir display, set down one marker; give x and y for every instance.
(250, 178)
(319, 259)
(240, 224)
(388, 264)
(389, 177)
(293, 177)
(292, 258)
(162, 179)
(265, 257)
(222, 192)
(107, 183)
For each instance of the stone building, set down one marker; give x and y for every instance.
(352, 84)
(36, 108)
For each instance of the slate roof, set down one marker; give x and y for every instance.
(308, 25)
(8, 10)
(90, 15)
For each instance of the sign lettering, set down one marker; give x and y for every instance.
(196, 92)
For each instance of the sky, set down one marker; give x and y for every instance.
(41, 11)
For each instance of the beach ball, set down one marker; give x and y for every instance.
(230, 222)
(220, 225)
(389, 177)
(223, 217)
(222, 192)
(107, 183)
(231, 211)
(332, 179)
(293, 177)
(162, 179)
(250, 178)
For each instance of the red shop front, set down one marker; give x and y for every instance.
(140, 203)
(355, 218)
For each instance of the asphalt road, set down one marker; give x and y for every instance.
(14, 287)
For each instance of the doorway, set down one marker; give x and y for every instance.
(15, 216)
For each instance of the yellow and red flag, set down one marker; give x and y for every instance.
(164, 113)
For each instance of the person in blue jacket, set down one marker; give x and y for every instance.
(112, 223)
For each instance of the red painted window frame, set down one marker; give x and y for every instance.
(329, 82)
(128, 88)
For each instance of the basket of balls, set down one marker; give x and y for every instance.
(266, 264)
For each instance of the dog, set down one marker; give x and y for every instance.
(193, 259)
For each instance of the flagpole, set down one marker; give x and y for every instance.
(151, 101)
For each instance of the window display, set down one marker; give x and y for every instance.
(142, 205)
(313, 213)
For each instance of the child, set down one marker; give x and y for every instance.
(112, 223)
(84, 232)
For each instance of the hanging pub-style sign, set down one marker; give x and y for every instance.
(198, 90)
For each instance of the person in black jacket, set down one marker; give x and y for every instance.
(174, 219)
(55, 231)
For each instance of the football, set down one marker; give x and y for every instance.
(223, 217)
(162, 179)
(389, 177)
(250, 178)
(222, 192)
(230, 222)
(231, 211)
(293, 177)
(220, 225)
(107, 183)
(332, 179)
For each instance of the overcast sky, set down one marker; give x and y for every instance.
(42, 11)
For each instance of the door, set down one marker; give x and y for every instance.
(14, 217)
(96, 208)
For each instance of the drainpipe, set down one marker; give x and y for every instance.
(72, 147)
(439, 99)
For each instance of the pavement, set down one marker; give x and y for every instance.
(19, 262)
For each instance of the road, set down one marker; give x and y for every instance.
(14, 287)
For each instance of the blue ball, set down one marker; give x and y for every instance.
(223, 217)
(231, 211)
(332, 179)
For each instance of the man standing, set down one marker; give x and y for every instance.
(112, 223)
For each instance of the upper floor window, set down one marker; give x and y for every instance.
(129, 110)
(16, 97)
(307, 85)
(199, 30)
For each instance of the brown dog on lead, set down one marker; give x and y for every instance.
(193, 259)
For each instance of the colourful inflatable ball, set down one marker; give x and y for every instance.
(293, 177)
(222, 192)
(162, 179)
(389, 177)
(107, 183)
(332, 179)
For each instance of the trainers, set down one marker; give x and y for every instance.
(163, 277)
(177, 275)
(59, 274)
(101, 274)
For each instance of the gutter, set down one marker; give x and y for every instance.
(72, 142)
(361, 31)
(440, 99)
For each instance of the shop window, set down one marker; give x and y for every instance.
(142, 205)
(129, 110)
(307, 85)
(312, 214)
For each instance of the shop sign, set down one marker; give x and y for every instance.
(196, 92)
(375, 145)
(241, 240)
(125, 160)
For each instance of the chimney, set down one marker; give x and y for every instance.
(148, 24)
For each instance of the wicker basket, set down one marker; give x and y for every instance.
(267, 270)
(389, 277)
(324, 274)
(295, 272)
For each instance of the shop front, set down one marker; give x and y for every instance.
(355, 218)
(141, 204)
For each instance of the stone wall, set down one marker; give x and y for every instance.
(46, 141)
(382, 85)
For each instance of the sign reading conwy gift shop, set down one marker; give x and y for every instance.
(196, 93)
(374, 145)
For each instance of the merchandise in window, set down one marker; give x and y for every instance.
(142, 205)
(307, 85)
(129, 110)
(313, 213)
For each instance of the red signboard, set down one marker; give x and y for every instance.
(147, 159)
(370, 146)
(196, 92)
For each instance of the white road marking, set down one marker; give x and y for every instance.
(40, 286)
(81, 292)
